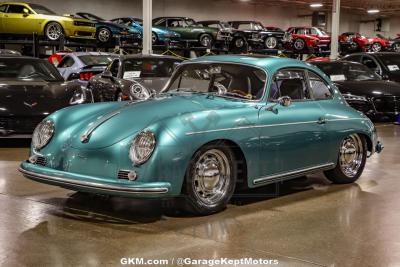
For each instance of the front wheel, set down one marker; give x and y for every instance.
(210, 180)
(351, 161)
(154, 38)
(396, 47)
(103, 35)
(205, 40)
(271, 42)
(53, 31)
(376, 47)
(299, 44)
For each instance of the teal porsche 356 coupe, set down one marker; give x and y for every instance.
(221, 123)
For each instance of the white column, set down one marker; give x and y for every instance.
(335, 29)
(147, 25)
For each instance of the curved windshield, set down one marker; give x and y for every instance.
(258, 26)
(223, 79)
(41, 9)
(136, 68)
(348, 71)
(391, 61)
(28, 69)
(97, 59)
(90, 17)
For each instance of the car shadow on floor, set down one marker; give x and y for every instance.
(119, 210)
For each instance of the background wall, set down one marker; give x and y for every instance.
(223, 9)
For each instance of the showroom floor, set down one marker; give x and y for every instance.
(310, 223)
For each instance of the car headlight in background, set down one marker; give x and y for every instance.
(139, 92)
(79, 97)
(142, 147)
(43, 134)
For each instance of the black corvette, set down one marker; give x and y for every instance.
(385, 64)
(31, 89)
(363, 89)
(132, 77)
(258, 36)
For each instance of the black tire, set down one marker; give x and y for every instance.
(195, 201)
(154, 38)
(271, 42)
(338, 175)
(206, 40)
(103, 35)
(299, 45)
(376, 47)
(396, 47)
(238, 43)
(53, 31)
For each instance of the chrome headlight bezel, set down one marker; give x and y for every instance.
(139, 92)
(79, 96)
(42, 134)
(142, 147)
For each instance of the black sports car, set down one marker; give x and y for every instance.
(363, 89)
(386, 64)
(31, 89)
(133, 77)
(258, 36)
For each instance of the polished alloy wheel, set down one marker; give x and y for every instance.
(271, 42)
(299, 44)
(104, 35)
(376, 47)
(239, 43)
(351, 155)
(53, 31)
(211, 176)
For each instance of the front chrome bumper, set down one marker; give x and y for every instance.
(92, 184)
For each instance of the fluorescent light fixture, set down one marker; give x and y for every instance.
(373, 11)
(316, 5)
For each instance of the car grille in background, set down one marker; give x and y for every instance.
(40, 161)
(84, 23)
(387, 104)
(20, 124)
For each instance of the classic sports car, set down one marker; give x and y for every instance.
(191, 32)
(323, 37)
(106, 31)
(385, 64)
(23, 19)
(353, 42)
(301, 40)
(379, 44)
(363, 89)
(257, 35)
(84, 65)
(158, 35)
(221, 123)
(31, 89)
(132, 76)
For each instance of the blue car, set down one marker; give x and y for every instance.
(106, 31)
(84, 65)
(158, 35)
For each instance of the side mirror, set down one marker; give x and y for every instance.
(106, 74)
(285, 101)
(26, 12)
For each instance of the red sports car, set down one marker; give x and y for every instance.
(324, 38)
(301, 40)
(356, 42)
(379, 44)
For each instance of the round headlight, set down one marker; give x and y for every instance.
(139, 92)
(42, 134)
(142, 147)
(79, 97)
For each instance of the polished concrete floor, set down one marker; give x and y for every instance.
(306, 222)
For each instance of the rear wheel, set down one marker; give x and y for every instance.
(206, 40)
(210, 179)
(351, 161)
(271, 42)
(53, 31)
(396, 47)
(376, 47)
(103, 35)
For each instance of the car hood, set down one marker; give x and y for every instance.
(127, 120)
(164, 31)
(113, 26)
(369, 88)
(22, 98)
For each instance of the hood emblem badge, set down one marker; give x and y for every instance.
(30, 105)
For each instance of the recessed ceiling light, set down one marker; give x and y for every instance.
(373, 11)
(316, 5)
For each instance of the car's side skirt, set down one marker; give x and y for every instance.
(292, 174)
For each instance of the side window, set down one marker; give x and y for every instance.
(371, 64)
(66, 62)
(355, 58)
(319, 88)
(314, 31)
(16, 9)
(289, 82)
(3, 8)
(175, 23)
(244, 26)
(114, 67)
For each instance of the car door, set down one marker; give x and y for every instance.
(292, 137)
(16, 21)
(109, 84)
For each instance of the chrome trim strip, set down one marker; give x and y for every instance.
(287, 175)
(71, 182)
(86, 135)
(268, 125)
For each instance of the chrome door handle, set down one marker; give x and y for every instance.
(321, 120)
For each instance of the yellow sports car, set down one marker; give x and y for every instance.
(23, 18)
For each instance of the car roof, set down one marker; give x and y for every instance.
(92, 53)
(243, 21)
(374, 53)
(332, 62)
(138, 56)
(268, 63)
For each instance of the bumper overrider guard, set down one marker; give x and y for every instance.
(86, 183)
